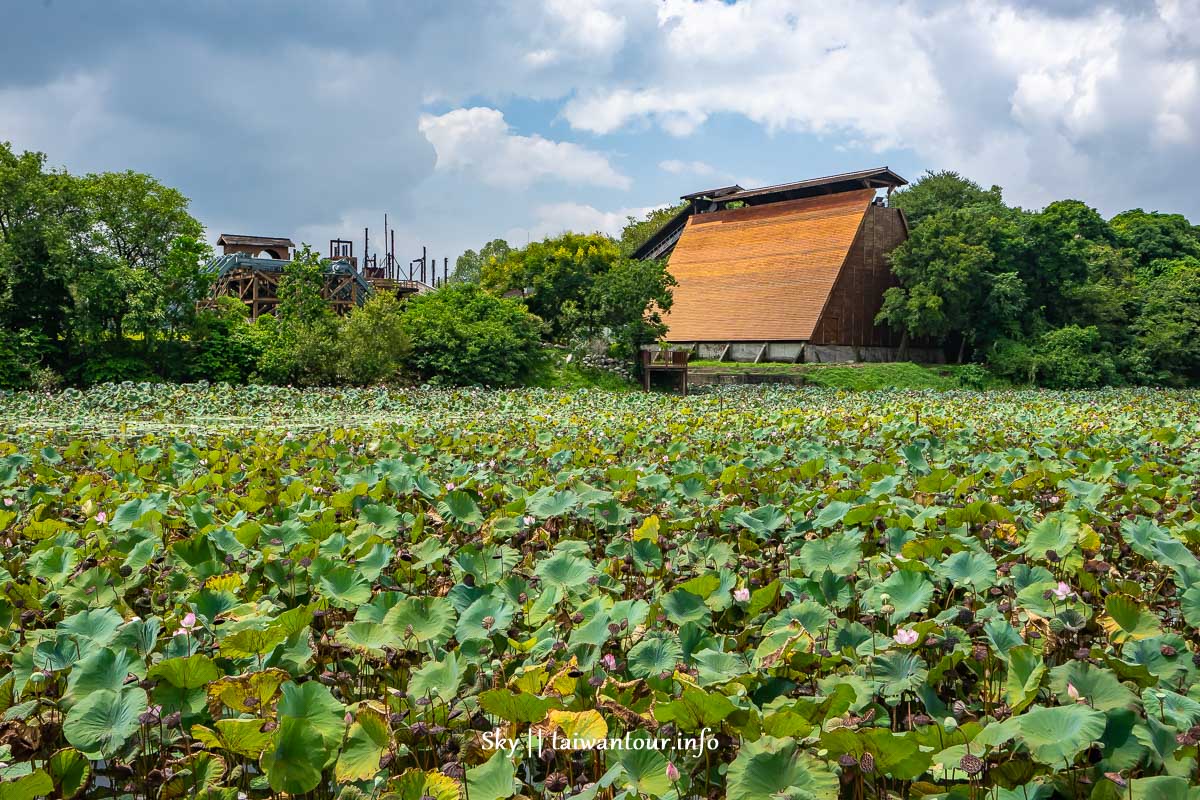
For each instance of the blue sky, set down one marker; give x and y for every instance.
(471, 119)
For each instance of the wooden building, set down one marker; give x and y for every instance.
(794, 272)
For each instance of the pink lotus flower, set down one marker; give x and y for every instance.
(672, 772)
(102, 517)
(8, 501)
(906, 636)
(609, 661)
(449, 487)
(1063, 591)
(741, 595)
(528, 520)
(189, 621)
(1072, 692)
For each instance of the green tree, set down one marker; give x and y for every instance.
(1072, 357)
(935, 192)
(1151, 236)
(299, 342)
(1062, 240)
(959, 278)
(461, 334)
(626, 304)
(372, 344)
(637, 231)
(43, 224)
(469, 266)
(1167, 329)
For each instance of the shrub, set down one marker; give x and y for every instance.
(224, 348)
(1071, 358)
(372, 344)
(460, 334)
(21, 352)
(973, 376)
(115, 367)
(1013, 360)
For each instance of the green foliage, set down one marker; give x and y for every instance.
(937, 192)
(1151, 236)
(637, 231)
(372, 343)
(1072, 358)
(285, 591)
(1058, 295)
(224, 348)
(586, 287)
(468, 268)
(958, 274)
(1167, 330)
(460, 334)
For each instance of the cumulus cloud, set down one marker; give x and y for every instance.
(677, 167)
(1091, 100)
(479, 140)
(555, 218)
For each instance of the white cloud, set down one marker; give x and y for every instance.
(1092, 101)
(480, 140)
(552, 219)
(677, 167)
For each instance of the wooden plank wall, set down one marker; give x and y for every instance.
(849, 315)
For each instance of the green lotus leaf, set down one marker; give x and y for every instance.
(1024, 677)
(763, 521)
(771, 767)
(103, 721)
(190, 672)
(654, 655)
(967, 568)
(644, 771)
(486, 617)
(421, 619)
(714, 667)
(366, 742)
(695, 709)
(515, 707)
(27, 787)
(495, 779)
(1055, 736)
(416, 784)
(839, 554)
(437, 678)
(194, 776)
(1125, 619)
(683, 607)
(345, 587)
(565, 571)
(909, 593)
(313, 702)
(242, 737)
(95, 627)
(1097, 687)
(461, 507)
(896, 672)
(104, 668)
(293, 763)
(70, 770)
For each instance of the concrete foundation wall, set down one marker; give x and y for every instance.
(808, 353)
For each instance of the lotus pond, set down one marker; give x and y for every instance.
(747, 593)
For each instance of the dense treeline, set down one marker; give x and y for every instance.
(104, 278)
(1061, 296)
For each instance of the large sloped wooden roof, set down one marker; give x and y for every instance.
(763, 272)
